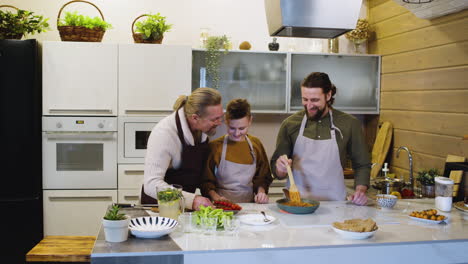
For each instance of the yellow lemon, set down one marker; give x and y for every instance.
(397, 194)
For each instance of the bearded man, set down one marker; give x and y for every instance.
(315, 143)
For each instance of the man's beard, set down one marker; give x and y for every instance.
(317, 115)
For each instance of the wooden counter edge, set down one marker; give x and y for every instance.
(62, 249)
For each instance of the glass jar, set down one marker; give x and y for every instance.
(443, 193)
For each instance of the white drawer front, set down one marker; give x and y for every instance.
(75, 212)
(131, 196)
(130, 176)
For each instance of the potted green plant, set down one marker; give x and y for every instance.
(76, 27)
(213, 46)
(15, 25)
(115, 225)
(427, 180)
(150, 30)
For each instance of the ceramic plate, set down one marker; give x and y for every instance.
(353, 235)
(427, 220)
(461, 206)
(152, 226)
(256, 219)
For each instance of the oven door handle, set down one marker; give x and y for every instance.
(80, 135)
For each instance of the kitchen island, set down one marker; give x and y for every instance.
(305, 238)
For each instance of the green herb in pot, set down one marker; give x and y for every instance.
(113, 214)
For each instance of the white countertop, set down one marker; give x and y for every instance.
(310, 230)
(294, 238)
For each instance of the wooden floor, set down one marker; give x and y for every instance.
(62, 249)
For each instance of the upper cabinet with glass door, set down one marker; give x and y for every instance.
(259, 77)
(356, 77)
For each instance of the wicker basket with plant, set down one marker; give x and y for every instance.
(150, 30)
(75, 27)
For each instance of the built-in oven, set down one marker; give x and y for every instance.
(79, 153)
(133, 138)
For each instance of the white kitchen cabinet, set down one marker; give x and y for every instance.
(79, 78)
(131, 196)
(151, 77)
(75, 212)
(130, 176)
(130, 179)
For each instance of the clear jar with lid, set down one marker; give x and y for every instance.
(444, 193)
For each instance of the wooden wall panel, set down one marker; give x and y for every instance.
(437, 79)
(454, 31)
(409, 22)
(429, 122)
(440, 101)
(424, 83)
(384, 11)
(435, 57)
(375, 3)
(431, 144)
(420, 161)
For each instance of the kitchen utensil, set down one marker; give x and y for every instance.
(286, 193)
(387, 186)
(264, 216)
(293, 191)
(298, 209)
(255, 219)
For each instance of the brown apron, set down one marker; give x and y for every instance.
(192, 162)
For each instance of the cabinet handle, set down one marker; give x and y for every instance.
(80, 135)
(131, 197)
(134, 172)
(107, 111)
(80, 198)
(147, 111)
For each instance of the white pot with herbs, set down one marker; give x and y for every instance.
(115, 225)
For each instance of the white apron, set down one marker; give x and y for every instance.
(316, 166)
(234, 179)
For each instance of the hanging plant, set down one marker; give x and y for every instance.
(213, 56)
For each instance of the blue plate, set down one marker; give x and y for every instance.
(298, 209)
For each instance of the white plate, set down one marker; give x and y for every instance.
(151, 226)
(427, 220)
(256, 219)
(353, 235)
(461, 207)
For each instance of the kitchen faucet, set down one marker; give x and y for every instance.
(410, 158)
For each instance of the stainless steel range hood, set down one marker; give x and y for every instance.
(311, 18)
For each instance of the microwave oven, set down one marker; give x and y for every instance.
(133, 138)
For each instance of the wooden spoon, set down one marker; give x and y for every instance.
(293, 191)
